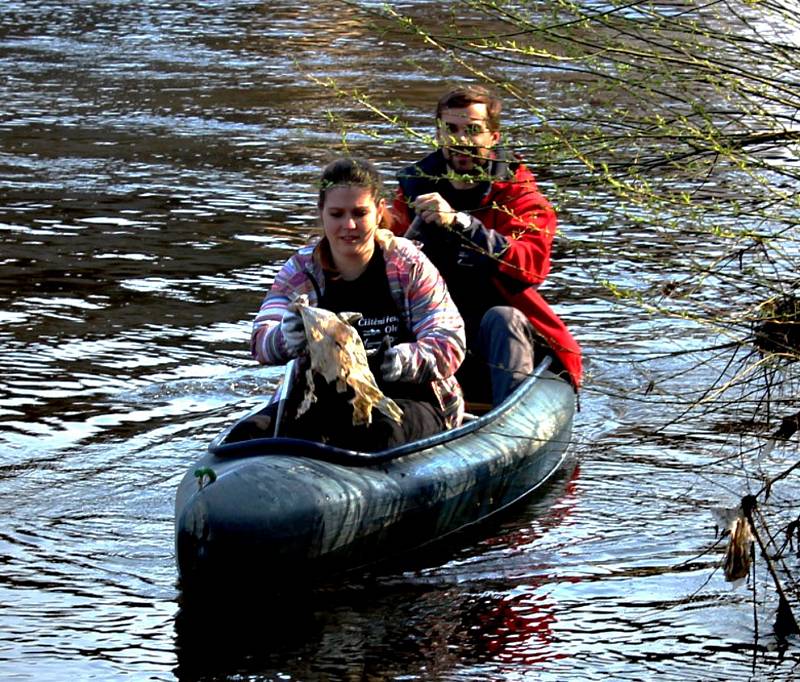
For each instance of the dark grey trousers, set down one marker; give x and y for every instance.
(501, 356)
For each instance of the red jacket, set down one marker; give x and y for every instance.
(515, 225)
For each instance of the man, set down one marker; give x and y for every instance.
(484, 224)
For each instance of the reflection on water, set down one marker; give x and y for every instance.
(157, 167)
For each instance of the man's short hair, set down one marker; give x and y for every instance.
(461, 98)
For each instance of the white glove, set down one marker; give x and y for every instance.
(294, 333)
(392, 365)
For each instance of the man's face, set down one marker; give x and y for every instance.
(465, 138)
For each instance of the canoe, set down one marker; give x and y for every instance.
(278, 509)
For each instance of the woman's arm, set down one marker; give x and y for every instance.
(266, 341)
(435, 321)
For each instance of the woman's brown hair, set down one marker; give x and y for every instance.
(349, 172)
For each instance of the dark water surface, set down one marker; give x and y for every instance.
(156, 167)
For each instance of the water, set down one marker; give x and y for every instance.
(157, 164)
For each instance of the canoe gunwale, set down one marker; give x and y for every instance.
(329, 453)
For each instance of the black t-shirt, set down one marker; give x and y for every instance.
(466, 200)
(369, 295)
(381, 322)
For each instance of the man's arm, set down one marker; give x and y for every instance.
(511, 234)
(526, 221)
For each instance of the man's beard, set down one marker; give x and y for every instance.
(479, 169)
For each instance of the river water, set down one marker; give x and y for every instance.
(157, 164)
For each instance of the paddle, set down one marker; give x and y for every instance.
(283, 395)
(414, 230)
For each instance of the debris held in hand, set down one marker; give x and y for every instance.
(337, 353)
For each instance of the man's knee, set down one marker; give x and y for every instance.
(505, 320)
(499, 315)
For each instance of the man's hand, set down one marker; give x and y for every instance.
(432, 208)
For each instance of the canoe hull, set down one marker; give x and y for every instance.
(279, 516)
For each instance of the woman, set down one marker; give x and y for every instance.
(359, 267)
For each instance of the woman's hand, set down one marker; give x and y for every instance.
(294, 333)
(392, 365)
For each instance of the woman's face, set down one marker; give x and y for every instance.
(350, 216)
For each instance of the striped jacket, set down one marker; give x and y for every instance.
(421, 297)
